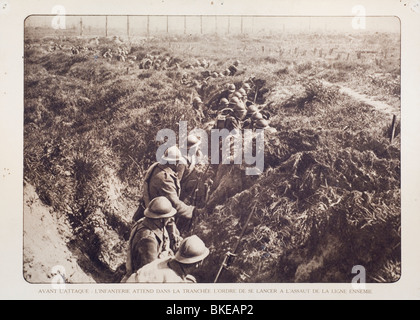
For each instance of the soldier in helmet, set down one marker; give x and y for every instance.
(261, 124)
(236, 113)
(214, 101)
(146, 64)
(192, 186)
(227, 178)
(244, 94)
(234, 67)
(176, 269)
(237, 94)
(149, 238)
(198, 107)
(223, 103)
(162, 180)
(246, 87)
(226, 72)
(252, 111)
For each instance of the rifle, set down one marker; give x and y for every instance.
(229, 255)
(194, 201)
(256, 93)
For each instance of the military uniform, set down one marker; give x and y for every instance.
(162, 271)
(190, 254)
(214, 102)
(161, 180)
(147, 243)
(193, 186)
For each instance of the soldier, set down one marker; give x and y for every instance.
(261, 124)
(246, 87)
(74, 50)
(244, 94)
(162, 180)
(149, 238)
(185, 79)
(201, 89)
(214, 101)
(198, 107)
(234, 67)
(193, 187)
(238, 95)
(146, 64)
(236, 114)
(253, 114)
(223, 103)
(226, 73)
(176, 269)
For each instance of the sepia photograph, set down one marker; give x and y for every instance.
(213, 153)
(325, 94)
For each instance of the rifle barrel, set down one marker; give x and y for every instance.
(222, 267)
(228, 255)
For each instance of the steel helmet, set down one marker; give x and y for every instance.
(215, 75)
(224, 101)
(246, 86)
(237, 94)
(191, 250)
(240, 113)
(257, 116)
(231, 87)
(234, 101)
(242, 91)
(159, 208)
(172, 154)
(240, 105)
(226, 72)
(261, 124)
(236, 63)
(252, 109)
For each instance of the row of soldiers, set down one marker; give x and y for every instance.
(177, 193)
(233, 108)
(121, 54)
(157, 251)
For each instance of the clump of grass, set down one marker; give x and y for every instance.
(314, 91)
(312, 203)
(303, 67)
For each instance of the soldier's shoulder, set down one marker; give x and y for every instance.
(144, 234)
(162, 174)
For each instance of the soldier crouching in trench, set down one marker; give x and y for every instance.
(192, 175)
(175, 269)
(149, 237)
(163, 180)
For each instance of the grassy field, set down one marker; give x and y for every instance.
(329, 197)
